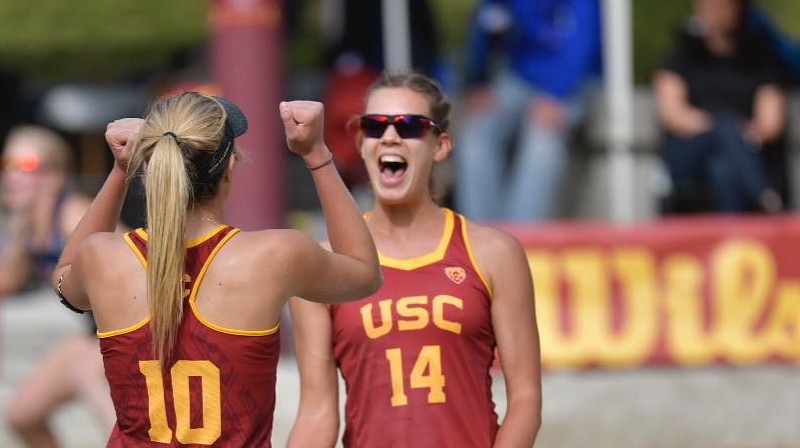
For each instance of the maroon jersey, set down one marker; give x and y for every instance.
(220, 388)
(416, 355)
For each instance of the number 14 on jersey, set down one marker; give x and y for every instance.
(426, 373)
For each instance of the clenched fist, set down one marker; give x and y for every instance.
(122, 136)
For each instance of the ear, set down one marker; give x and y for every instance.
(227, 176)
(443, 148)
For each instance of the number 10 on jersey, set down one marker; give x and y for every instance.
(426, 373)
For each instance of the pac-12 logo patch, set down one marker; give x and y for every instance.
(456, 274)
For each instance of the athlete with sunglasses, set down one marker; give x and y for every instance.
(416, 356)
(41, 210)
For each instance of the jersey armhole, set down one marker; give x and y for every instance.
(472, 259)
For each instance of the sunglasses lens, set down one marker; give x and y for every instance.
(407, 126)
(411, 126)
(28, 164)
(374, 126)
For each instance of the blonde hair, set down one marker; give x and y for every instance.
(53, 148)
(179, 136)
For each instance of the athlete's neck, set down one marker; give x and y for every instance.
(204, 217)
(402, 232)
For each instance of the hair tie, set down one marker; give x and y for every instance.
(171, 134)
(321, 165)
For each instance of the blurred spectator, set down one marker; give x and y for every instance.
(41, 211)
(529, 69)
(353, 33)
(722, 107)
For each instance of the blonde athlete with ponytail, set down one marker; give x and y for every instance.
(188, 309)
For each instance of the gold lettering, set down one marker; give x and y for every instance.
(743, 273)
(586, 280)
(438, 313)
(209, 374)
(633, 342)
(687, 339)
(410, 307)
(782, 328)
(370, 329)
(557, 348)
(187, 280)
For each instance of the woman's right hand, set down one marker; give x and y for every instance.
(122, 136)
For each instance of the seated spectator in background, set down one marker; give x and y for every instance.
(722, 107)
(530, 64)
(41, 211)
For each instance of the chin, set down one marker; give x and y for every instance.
(391, 197)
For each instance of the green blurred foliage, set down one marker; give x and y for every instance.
(117, 39)
(96, 39)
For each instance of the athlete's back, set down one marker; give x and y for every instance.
(218, 388)
(190, 342)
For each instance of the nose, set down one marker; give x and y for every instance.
(390, 134)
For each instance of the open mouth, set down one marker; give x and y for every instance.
(392, 165)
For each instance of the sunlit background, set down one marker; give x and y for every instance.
(657, 331)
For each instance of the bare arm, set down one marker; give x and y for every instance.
(517, 335)
(353, 261)
(103, 213)
(676, 114)
(769, 113)
(317, 422)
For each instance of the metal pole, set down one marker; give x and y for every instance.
(617, 55)
(396, 35)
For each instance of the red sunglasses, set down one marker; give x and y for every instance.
(407, 125)
(28, 163)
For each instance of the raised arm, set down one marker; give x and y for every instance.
(514, 319)
(351, 269)
(103, 213)
(317, 422)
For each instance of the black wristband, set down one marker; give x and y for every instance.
(63, 299)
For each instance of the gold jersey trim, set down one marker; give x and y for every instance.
(202, 239)
(196, 287)
(195, 242)
(471, 255)
(135, 248)
(134, 327)
(409, 264)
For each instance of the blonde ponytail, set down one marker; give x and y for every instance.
(167, 191)
(178, 142)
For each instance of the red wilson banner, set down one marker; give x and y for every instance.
(689, 291)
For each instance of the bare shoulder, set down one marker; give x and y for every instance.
(274, 244)
(104, 252)
(496, 250)
(103, 244)
(489, 241)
